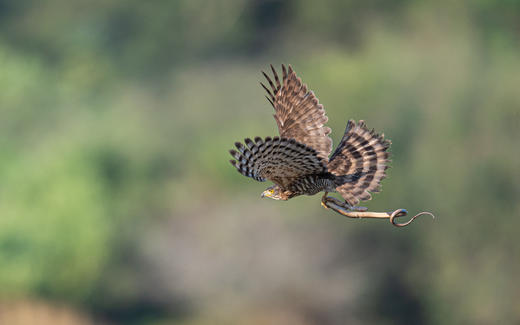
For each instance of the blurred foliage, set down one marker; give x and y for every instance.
(118, 199)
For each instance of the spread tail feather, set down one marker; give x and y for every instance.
(361, 158)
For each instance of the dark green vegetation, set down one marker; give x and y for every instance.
(117, 197)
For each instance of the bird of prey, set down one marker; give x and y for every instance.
(299, 160)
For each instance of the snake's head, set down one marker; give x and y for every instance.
(276, 193)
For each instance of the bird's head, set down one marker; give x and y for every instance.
(276, 193)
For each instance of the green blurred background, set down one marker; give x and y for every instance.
(118, 204)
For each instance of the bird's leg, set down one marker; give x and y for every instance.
(345, 205)
(324, 200)
(345, 209)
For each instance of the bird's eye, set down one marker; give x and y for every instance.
(271, 191)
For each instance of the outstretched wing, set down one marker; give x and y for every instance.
(279, 160)
(360, 151)
(298, 113)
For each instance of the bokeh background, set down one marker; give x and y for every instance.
(118, 204)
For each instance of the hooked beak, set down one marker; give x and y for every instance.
(265, 194)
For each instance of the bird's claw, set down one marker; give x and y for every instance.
(362, 212)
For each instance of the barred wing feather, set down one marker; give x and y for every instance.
(280, 160)
(298, 113)
(360, 150)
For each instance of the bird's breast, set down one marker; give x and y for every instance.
(312, 184)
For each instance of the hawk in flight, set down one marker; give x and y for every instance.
(299, 161)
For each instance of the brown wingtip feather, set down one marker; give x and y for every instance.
(268, 91)
(249, 142)
(276, 79)
(270, 82)
(284, 72)
(270, 101)
(298, 113)
(240, 147)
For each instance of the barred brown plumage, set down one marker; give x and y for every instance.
(363, 151)
(278, 159)
(298, 113)
(297, 161)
